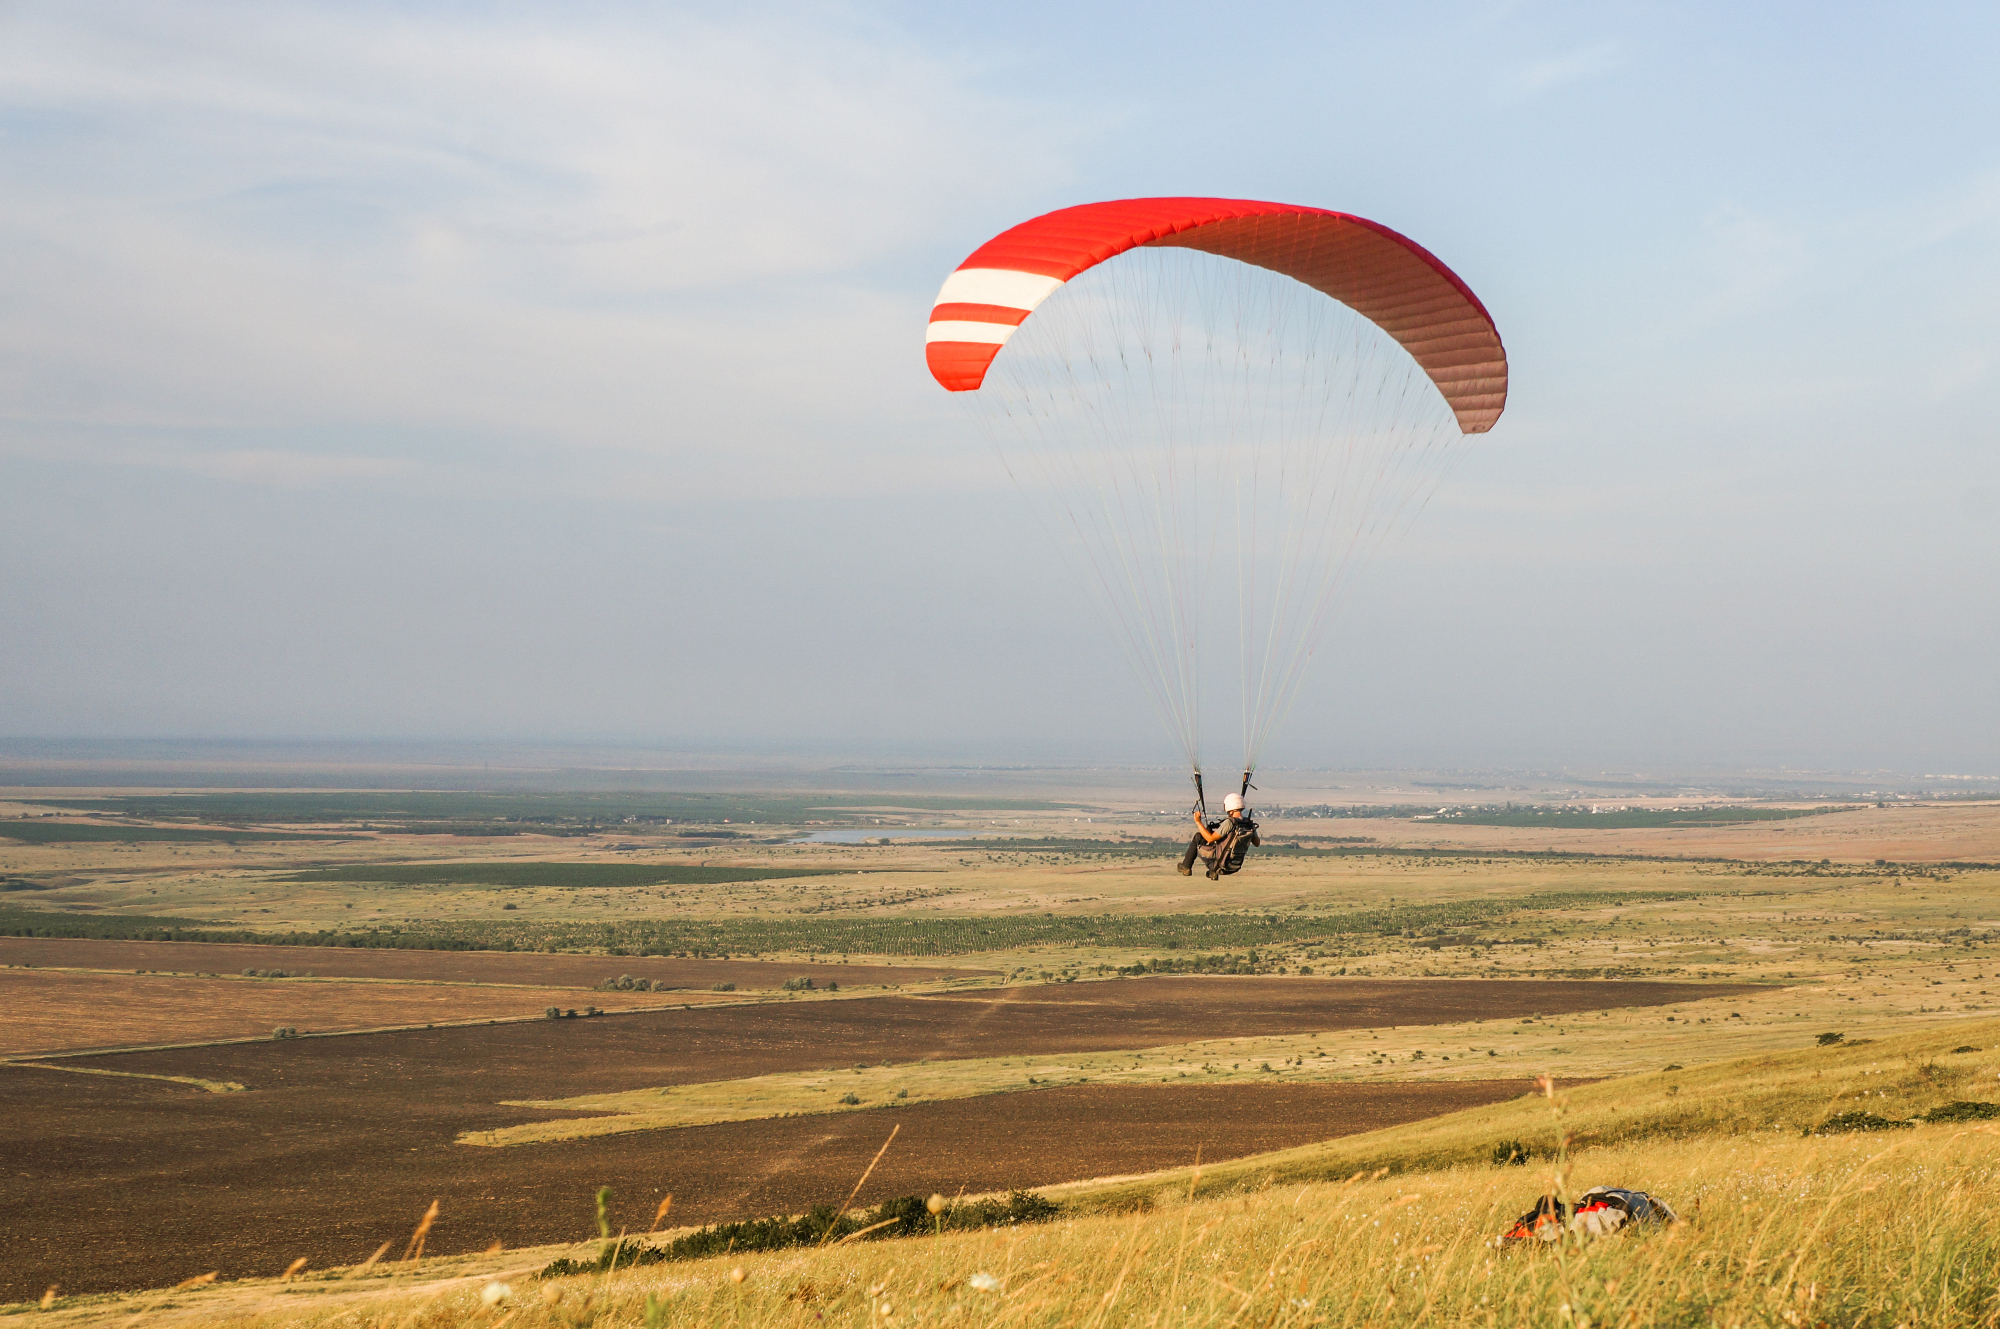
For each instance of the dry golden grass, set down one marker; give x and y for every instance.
(1776, 1231)
(1773, 1097)
(1782, 1232)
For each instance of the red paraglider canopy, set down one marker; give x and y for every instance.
(1385, 277)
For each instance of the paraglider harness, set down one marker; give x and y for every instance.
(1224, 855)
(1598, 1212)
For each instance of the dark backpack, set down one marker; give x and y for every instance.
(1227, 854)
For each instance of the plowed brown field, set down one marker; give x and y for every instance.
(215, 1200)
(339, 1144)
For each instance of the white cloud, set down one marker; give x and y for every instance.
(1971, 206)
(654, 236)
(274, 469)
(1575, 66)
(1749, 255)
(263, 468)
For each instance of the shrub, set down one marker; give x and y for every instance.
(1963, 1111)
(850, 1100)
(1510, 1153)
(1842, 1122)
(552, 1013)
(905, 1217)
(285, 1031)
(1828, 1040)
(798, 985)
(723, 987)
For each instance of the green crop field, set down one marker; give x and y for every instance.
(577, 875)
(72, 832)
(107, 927)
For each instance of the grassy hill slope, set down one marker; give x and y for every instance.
(1783, 1223)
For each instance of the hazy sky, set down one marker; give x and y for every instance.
(554, 371)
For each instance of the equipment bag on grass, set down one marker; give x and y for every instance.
(1598, 1212)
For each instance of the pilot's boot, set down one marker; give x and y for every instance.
(1186, 866)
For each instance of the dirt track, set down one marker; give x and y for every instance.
(340, 1143)
(58, 1011)
(527, 968)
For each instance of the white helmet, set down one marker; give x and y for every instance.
(1234, 803)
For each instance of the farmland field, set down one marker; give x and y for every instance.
(1624, 819)
(628, 813)
(1068, 1006)
(201, 1194)
(335, 1143)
